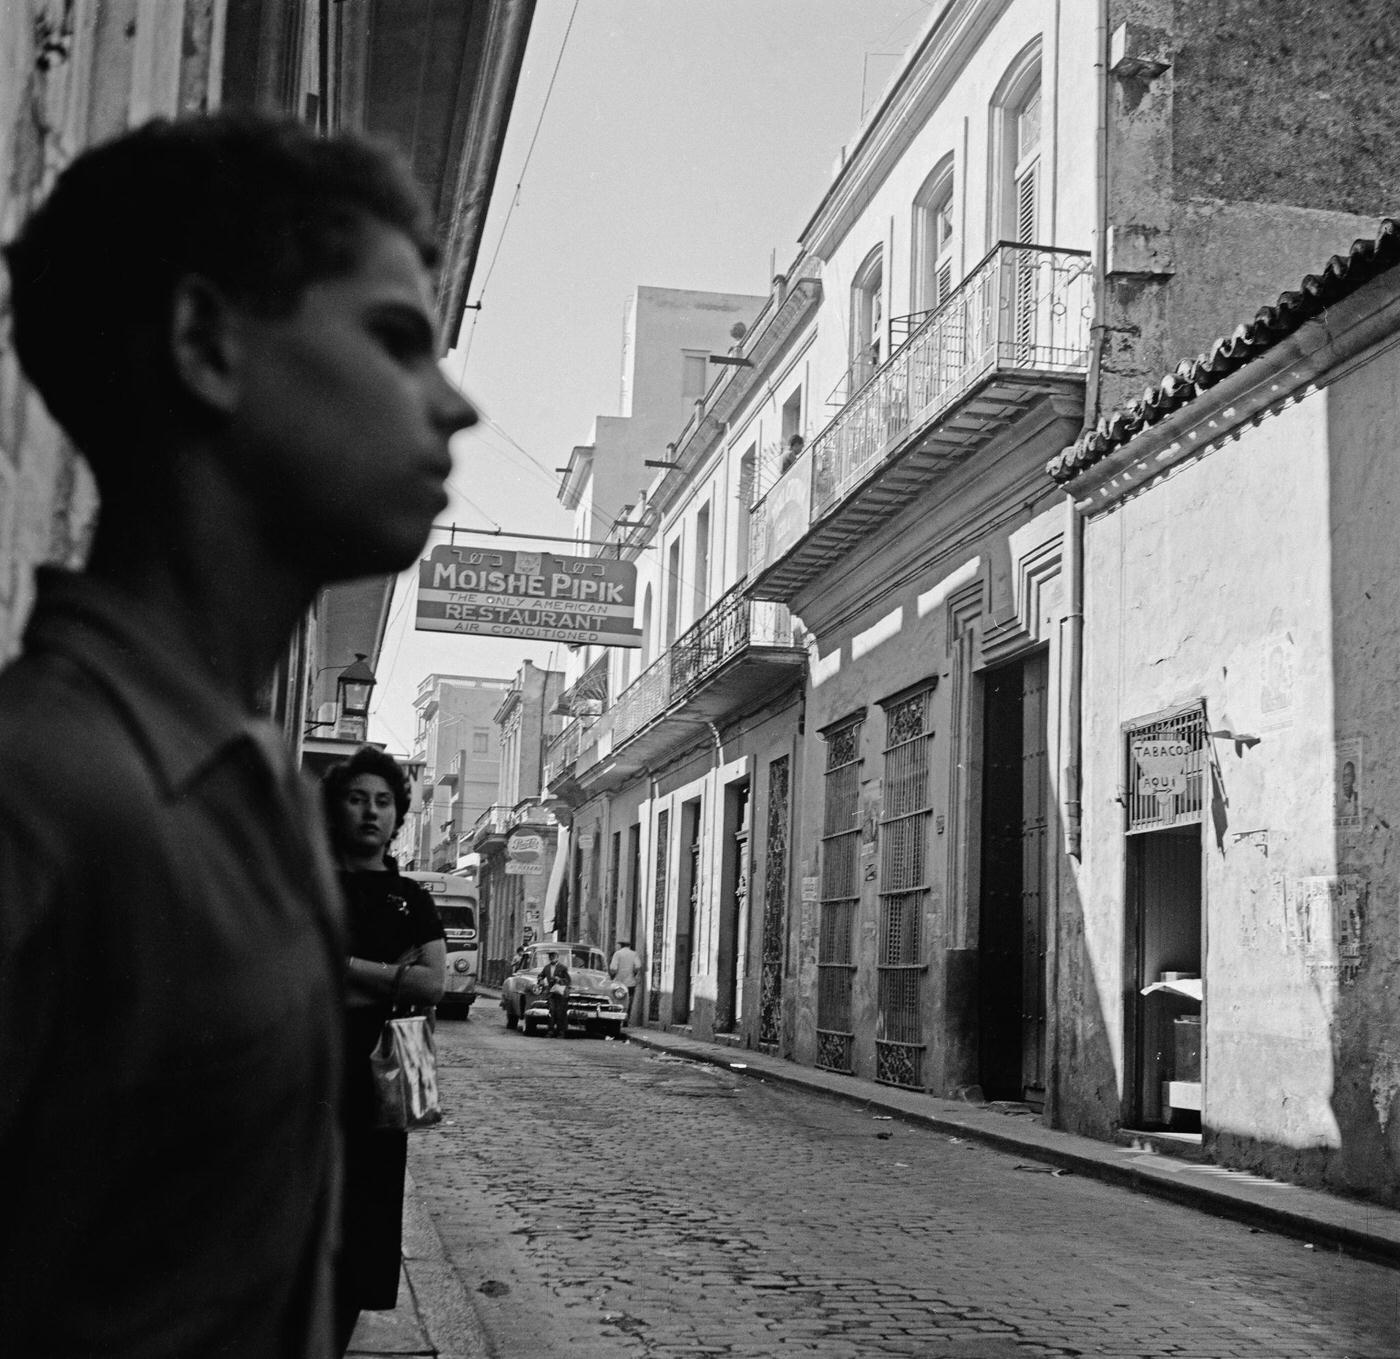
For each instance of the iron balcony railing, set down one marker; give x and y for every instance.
(646, 697)
(1024, 308)
(733, 625)
(495, 818)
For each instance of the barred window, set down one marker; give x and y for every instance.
(840, 895)
(904, 889)
(1167, 762)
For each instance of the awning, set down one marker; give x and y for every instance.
(557, 873)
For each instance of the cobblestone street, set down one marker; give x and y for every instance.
(600, 1199)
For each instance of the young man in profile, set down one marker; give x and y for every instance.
(233, 321)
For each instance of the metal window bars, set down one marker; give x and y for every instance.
(840, 897)
(899, 1039)
(658, 923)
(1167, 763)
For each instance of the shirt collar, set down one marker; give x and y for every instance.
(181, 712)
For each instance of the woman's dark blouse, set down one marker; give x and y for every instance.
(386, 915)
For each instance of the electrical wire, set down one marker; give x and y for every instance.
(515, 197)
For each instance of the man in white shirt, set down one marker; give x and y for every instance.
(625, 968)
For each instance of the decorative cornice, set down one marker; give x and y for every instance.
(1342, 276)
(929, 73)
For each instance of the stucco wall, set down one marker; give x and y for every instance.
(70, 75)
(1260, 578)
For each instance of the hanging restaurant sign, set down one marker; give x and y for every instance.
(578, 600)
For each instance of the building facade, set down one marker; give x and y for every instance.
(1233, 907)
(1038, 215)
(516, 838)
(461, 759)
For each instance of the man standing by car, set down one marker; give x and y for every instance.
(554, 978)
(624, 969)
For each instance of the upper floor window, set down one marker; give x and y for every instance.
(479, 743)
(1017, 173)
(867, 317)
(935, 239)
(792, 437)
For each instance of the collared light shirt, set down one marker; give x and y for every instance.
(170, 1004)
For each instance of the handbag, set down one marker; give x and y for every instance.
(403, 1066)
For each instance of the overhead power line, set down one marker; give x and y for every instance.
(515, 196)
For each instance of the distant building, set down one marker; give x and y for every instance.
(669, 335)
(516, 838)
(460, 756)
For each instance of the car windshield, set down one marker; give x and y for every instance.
(571, 956)
(457, 917)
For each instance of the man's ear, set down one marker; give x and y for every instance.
(206, 343)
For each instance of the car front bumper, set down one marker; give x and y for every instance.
(583, 1014)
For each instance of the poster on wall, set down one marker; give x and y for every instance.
(577, 600)
(1347, 782)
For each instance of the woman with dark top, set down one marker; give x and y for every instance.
(397, 957)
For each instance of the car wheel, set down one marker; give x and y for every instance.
(613, 1030)
(530, 1026)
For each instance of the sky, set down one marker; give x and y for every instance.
(683, 144)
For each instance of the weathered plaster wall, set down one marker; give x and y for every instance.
(72, 74)
(1262, 149)
(1260, 579)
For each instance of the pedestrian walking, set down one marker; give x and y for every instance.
(624, 969)
(555, 980)
(397, 957)
(233, 321)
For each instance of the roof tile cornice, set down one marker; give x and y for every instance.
(1339, 278)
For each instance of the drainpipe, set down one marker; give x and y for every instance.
(1072, 625)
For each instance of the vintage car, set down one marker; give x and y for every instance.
(597, 1004)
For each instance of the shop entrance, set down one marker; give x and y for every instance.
(1167, 770)
(1163, 1085)
(1012, 917)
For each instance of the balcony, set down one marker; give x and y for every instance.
(1013, 333)
(489, 831)
(738, 652)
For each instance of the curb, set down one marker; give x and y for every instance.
(1354, 1227)
(441, 1301)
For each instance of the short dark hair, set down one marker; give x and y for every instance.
(260, 207)
(367, 760)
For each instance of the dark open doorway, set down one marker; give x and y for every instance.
(688, 903)
(1012, 918)
(733, 905)
(1162, 1083)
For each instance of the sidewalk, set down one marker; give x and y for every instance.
(435, 1317)
(1322, 1220)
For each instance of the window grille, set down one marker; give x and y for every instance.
(658, 925)
(904, 891)
(1167, 762)
(840, 895)
(774, 902)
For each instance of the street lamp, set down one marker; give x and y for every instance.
(353, 687)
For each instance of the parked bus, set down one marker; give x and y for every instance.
(456, 902)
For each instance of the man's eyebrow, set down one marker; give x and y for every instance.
(404, 313)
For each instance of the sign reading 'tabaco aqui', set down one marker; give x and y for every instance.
(579, 600)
